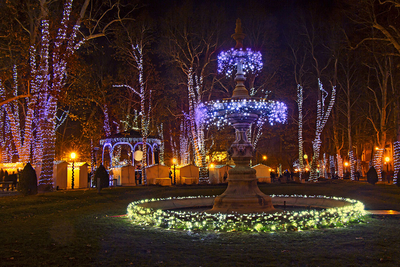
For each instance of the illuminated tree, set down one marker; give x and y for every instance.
(135, 58)
(380, 20)
(19, 124)
(319, 51)
(53, 42)
(192, 41)
(299, 71)
(347, 82)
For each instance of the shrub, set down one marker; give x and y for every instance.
(372, 175)
(101, 173)
(28, 181)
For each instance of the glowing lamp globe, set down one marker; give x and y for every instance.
(138, 155)
(73, 155)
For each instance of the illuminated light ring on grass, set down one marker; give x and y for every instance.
(216, 112)
(351, 213)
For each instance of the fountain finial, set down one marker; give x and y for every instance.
(238, 36)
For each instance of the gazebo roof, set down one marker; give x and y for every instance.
(129, 137)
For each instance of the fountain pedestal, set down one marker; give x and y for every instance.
(242, 194)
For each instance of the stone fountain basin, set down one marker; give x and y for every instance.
(309, 202)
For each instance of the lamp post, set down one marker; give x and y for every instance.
(174, 162)
(306, 158)
(264, 158)
(73, 156)
(387, 159)
(346, 164)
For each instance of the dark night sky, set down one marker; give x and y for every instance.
(235, 8)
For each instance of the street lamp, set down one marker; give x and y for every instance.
(387, 159)
(264, 158)
(73, 156)
(346, 164)
(174, 162)
(306, 158)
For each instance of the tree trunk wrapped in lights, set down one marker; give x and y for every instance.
(352, 165)
(300, 129)
(377, 161)
(339, 166)
(322, 118)
(396, 161)
(196, 126)
(184, 143)
(162, 146)
(332, 166)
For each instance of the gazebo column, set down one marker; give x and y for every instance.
(153, 155)
(111, 155)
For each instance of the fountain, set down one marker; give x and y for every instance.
(243, 207)
(242, 194)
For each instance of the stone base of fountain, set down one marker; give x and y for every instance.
(242, 194)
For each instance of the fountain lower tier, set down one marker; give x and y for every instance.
(242, 194)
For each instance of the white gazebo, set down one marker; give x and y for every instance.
(125, 148)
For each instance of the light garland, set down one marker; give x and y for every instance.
(352, 163)
(216, 112)
(162, 143)
(377, 161)
(322, 118)
(300, 129)
(255, 222)
(332, 166)
(184, 143)
(228, 61)
(396, 161)
(5, 128)
(340, 166)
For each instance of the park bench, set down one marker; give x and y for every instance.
(7, 185)
(9, 181)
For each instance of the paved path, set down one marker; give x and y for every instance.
(8, 193)
(383, 212)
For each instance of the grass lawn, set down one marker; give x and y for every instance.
(77, 228)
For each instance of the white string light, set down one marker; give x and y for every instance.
(377, 161)
(215, 113)
(228, 61)
(255, 222)
(396, 161)
(322, 118)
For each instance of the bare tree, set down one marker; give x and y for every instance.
(380, 106)
(379, 19)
